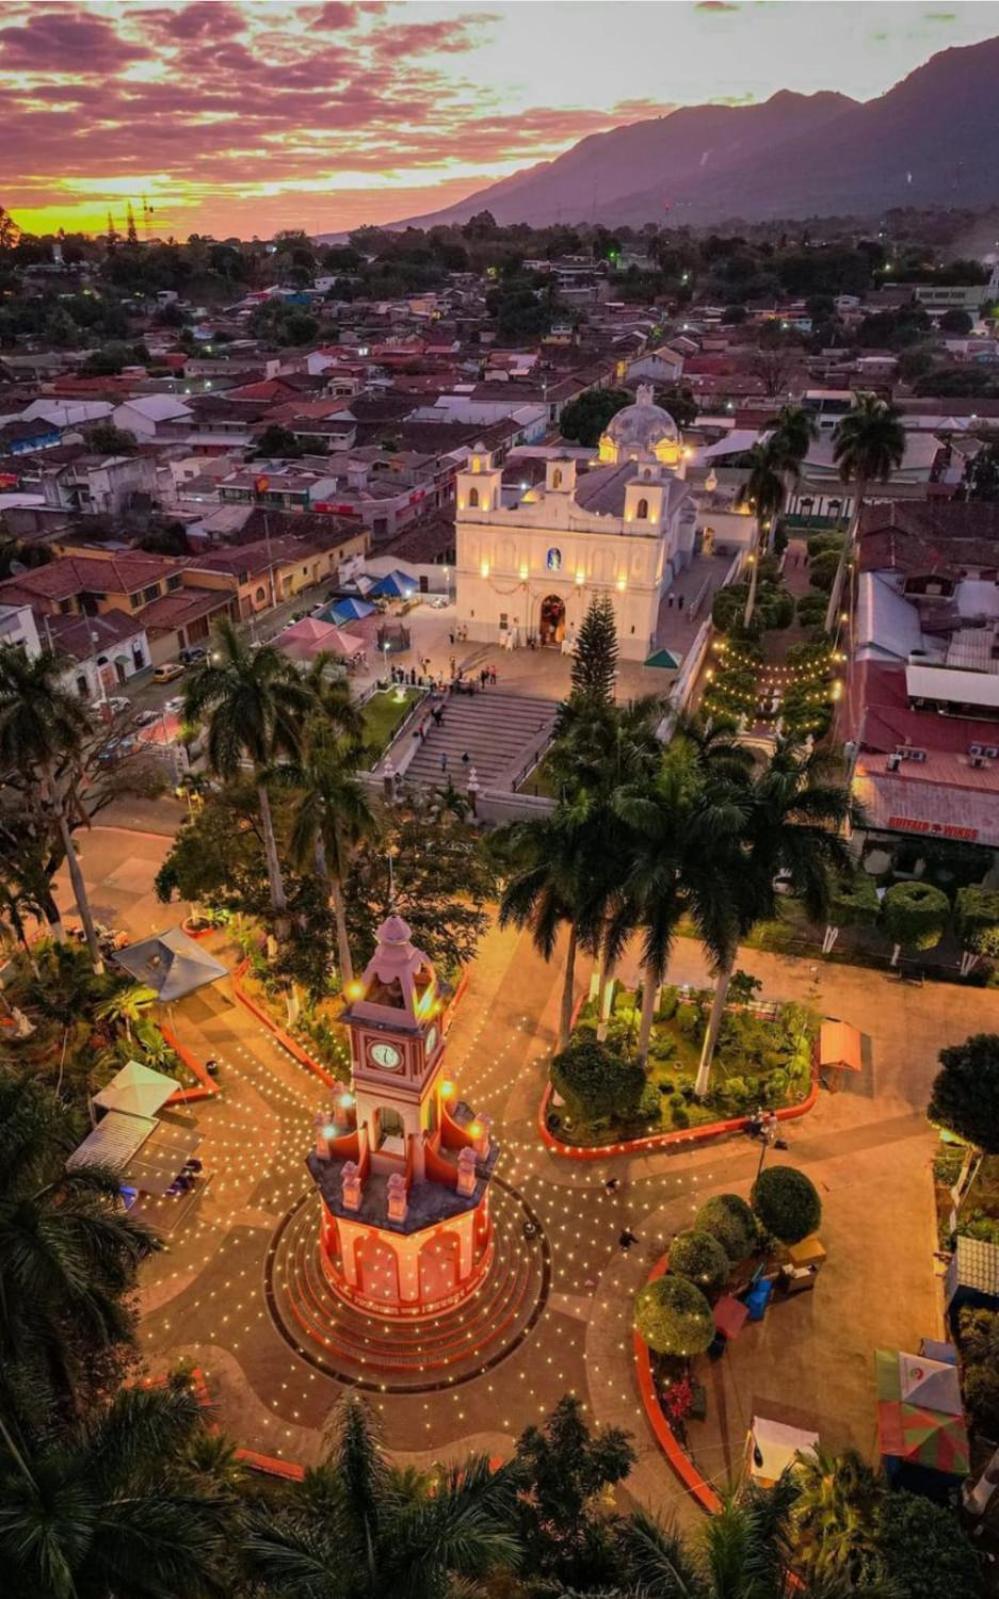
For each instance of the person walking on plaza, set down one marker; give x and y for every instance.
(492, 676)
(443, 760)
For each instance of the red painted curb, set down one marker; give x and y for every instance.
(292, 1045)
(679, 1460)
(188, 1096)
(653, 1141)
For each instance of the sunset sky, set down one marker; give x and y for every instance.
(248, 118)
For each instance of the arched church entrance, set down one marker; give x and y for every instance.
(552, 624)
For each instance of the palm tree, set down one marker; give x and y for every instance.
(795, 431)
(331, 817)
(869, 443)
(745, 1551)
(127, 1006)
(680, 831)
(836, 1513)
(358, 1528)
(793, 818)
(764, 493)
(546, 892)
(255, 703)
(43, 729)
(110, 1506)
(68, 1252)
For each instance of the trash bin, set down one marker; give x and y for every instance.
(758, 1299)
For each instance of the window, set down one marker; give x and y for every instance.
(556, 479)
(473, 499)
(173, 583)
(642, 510)
(504, 621)
(151, 593)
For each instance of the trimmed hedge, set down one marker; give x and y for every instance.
(787, 1203)
(731, 1223)
(673, 1317)
(699, 1258)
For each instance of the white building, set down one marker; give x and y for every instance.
(145, 415)
(623, 528)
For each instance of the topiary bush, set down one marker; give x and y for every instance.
(787, 1203)
(731, 1222)
(700, 1258)
(915, 915)
(596, 1082)
(673, 1317)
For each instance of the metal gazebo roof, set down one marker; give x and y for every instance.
(171, 964)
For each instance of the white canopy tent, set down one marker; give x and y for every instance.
(136, 1089)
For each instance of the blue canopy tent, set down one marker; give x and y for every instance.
(394, 586)
(346, 610)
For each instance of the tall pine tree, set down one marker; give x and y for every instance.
(131, 233)
(594, 665)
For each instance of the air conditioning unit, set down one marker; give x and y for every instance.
(979, 762)
(976, 749)
(908, 752)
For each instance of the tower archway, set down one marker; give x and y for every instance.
(551, 626)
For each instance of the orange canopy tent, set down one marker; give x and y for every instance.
(840, 1047)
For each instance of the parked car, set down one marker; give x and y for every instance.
(168, 672)
(147, 718)
(118, 705)
(175, 706)
(438, 602)
(193, 655)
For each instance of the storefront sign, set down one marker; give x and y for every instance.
(906, 824)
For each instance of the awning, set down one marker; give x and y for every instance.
(171, 964)
(840, 1047)
(395, 586)
(156, 1165)
(113, 1142)
(665, 659)
(774, 1446)
(136, 1089)
(920, 1420)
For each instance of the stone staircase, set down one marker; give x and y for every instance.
(499, 733)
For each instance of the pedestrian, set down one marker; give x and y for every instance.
(443, 760)
(465, 758)
(669, 602)
(492, 676)
(451, 662)
(627, 1238)
(483, 677)
(451, 636)
(679, 602)
(438, 715)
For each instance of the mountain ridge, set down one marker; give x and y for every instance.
(931, 139)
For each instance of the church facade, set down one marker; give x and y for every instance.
(622, 526)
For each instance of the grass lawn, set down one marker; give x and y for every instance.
(540, 780)
(383, 715)
(760, 1060)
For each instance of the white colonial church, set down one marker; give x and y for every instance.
(623, 526)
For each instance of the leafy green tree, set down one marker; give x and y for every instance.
(976, 922)
(787, 1203)
(836, 1515)
(111, 1506)
(965, 1096)
(585, 419)
(728, 1218)
(255, 704)
(106, 439)
(914, 916)
(360, 1528)
(923, 1550)
(674, 1317)
(127, 1006)
(596, 1082)
(68, 1257)
(981, 475)
(700, 1258)
(43, 731)
(562, 1470)
(868, 445)
(956, 321)
(853, 902)
(278, 442)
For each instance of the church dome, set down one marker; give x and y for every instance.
(642, 428)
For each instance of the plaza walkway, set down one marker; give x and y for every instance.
(869, 1151)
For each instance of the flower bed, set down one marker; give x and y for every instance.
(764, 1058)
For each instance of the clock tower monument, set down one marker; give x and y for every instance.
(402, 1164)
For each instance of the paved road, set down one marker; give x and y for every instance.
(868, 1150)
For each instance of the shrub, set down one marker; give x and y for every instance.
(729, 1220)
(915, 915)
(673, 1317)
(649, 1104)
(681, 1117)
(811, 608)
(667, 1003)
(787, 1203)
(822, 570)
(700, 1258)
(977, 920)
(596, 1082)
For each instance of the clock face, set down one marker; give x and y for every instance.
(386, 1056)
(430, 1042)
